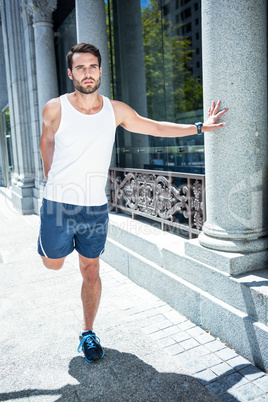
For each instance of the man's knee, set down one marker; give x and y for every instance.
(89, 269)
(52, 263)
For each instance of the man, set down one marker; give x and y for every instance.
(76, 147)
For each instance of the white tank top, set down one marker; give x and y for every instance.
(82, 155)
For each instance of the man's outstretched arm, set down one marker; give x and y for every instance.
(132, 121)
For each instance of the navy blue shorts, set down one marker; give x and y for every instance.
(65, 227)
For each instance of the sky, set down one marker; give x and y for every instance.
(144, 3)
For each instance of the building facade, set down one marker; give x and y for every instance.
(37, 36)
(167, 59)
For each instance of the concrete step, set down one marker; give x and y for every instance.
(247, 293)
(240, 330)
(231, 263)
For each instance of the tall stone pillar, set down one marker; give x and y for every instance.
(3, 81)
(33, 98)
(47, 83)
(18, 101)
(235, 70)
(91, 28)
(133, 81)
(4, 181)
(46, 70)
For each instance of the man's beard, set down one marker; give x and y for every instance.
(86, 90)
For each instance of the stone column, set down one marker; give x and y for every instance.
(47, 83)
(33, 98)
(46, 70)
(91, 28)
(133, 81)
(14, 51)
(3, 103)
(235, 70)
(3, 81)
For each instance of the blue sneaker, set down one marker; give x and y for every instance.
(90, 344)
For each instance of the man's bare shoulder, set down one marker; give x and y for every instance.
(52, 110)
(122, 111)
(118, 105)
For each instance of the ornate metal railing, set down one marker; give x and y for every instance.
(173, 199)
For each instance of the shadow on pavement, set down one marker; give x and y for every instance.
(119, 377)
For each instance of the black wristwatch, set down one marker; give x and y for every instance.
(199, 127)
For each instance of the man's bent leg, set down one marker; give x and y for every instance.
(91, 289)
(53, 263)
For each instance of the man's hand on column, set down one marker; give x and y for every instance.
(213, 115)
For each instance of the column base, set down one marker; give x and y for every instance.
(246, 245)
(22, 196)
(232, 263)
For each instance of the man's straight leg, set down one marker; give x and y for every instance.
(91, 289)
(90, 294)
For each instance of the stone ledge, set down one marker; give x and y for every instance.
(237, 328)
(145, 239)
(230, 262)
(248, 293)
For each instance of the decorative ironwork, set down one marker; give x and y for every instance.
(173, 199)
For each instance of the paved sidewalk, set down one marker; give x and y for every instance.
(152, 352)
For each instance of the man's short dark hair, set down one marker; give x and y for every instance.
(82, 48)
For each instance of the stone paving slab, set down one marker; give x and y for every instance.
(152, 352)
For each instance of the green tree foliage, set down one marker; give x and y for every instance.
(171, 87)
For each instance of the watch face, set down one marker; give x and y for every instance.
(199, 127)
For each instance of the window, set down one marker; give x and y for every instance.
(168, 91)
(188, 27)
(165, 10)
(6, 148)
(8, 139)
(187, 12)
